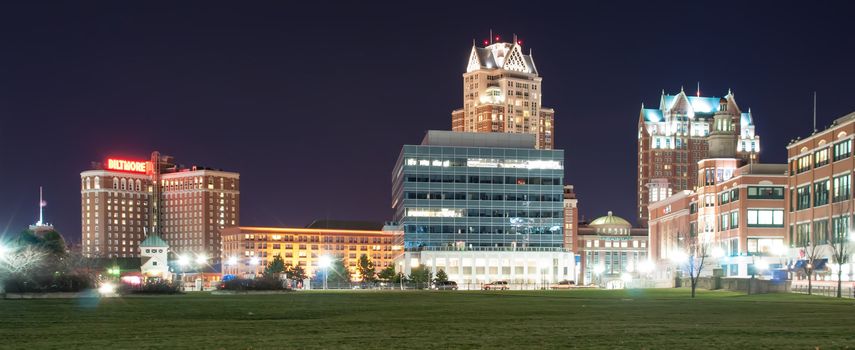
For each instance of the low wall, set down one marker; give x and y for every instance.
(746, 285)
(56, 295)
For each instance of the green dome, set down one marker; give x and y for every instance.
(154, 241)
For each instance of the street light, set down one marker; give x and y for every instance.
(324, 262)
(598, 270)
(201, 259)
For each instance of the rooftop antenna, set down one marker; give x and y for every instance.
(491, 36)
(814, 111)
(699, 89)
(42, 205)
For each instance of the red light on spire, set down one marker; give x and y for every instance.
(497, 38)
(486, 41)
(519, 42)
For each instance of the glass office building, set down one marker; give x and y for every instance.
(479, 191)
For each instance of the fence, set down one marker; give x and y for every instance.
(829, 291)
(318, 285)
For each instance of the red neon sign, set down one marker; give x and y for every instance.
(126, 165)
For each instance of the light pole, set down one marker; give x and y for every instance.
(598, 270)
(183, 262)
(201, 261)
(324, 263)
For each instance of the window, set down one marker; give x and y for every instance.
(820, 231)
(842, 150)
(724, 197)
(840, 188)
(820, 158)
(734, 195)
(803, 197)
(802, 234)
(803, 164)
(765, 217)
(724, 222)
(765, 192)
(841, 229)
(734, 219)
(820, 193)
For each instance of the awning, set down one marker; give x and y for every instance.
(820, 264)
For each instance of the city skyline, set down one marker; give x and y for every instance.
(251, 94)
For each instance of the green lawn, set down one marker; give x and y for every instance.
(634, 319)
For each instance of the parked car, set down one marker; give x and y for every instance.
(565, 284)
(496, 285)
(447, 285)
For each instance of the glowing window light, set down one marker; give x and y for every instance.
(435, 212)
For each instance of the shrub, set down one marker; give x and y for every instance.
(261, 283)
(153, 287)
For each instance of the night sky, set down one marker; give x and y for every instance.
(312, 105)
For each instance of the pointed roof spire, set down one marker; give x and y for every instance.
(729, 92)
(699, 89)
(681, 89)
(515, 38)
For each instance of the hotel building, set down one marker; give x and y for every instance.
(482, 206)
(122, 201)
(737, 207)
(675, 136)
(247, 250)
(502, 93)
(820, 192)
(612, 253)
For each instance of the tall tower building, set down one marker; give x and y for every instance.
(123, 201)
(682, 131)
(502, 93)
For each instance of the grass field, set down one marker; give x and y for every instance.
(632, 319)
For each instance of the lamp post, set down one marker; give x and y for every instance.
(201, 261)
(324, 263)
(598, 270)
(183, 262)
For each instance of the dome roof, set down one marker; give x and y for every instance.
(154, 241)
(611, 225)
(610, 220)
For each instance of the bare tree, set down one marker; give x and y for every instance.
(22, 261)
(840, 250)
(812, 252)
(696, 257)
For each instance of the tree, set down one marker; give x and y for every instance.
(298, 273)
(421, 276)
(441, 277)
(337, 272)
(694, 254)
(366, 269)
(388, 274)
(812, 252)
(275, 267)
(840, 240)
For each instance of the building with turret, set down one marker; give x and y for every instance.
(675, 136)
(502, 92)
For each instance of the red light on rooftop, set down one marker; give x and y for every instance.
(519, 42)
(486, 42)
(497, 38)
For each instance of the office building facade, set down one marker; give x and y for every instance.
(488, 204)
(820, 196)
(502, 93)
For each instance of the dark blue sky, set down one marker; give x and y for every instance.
(311, 105)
